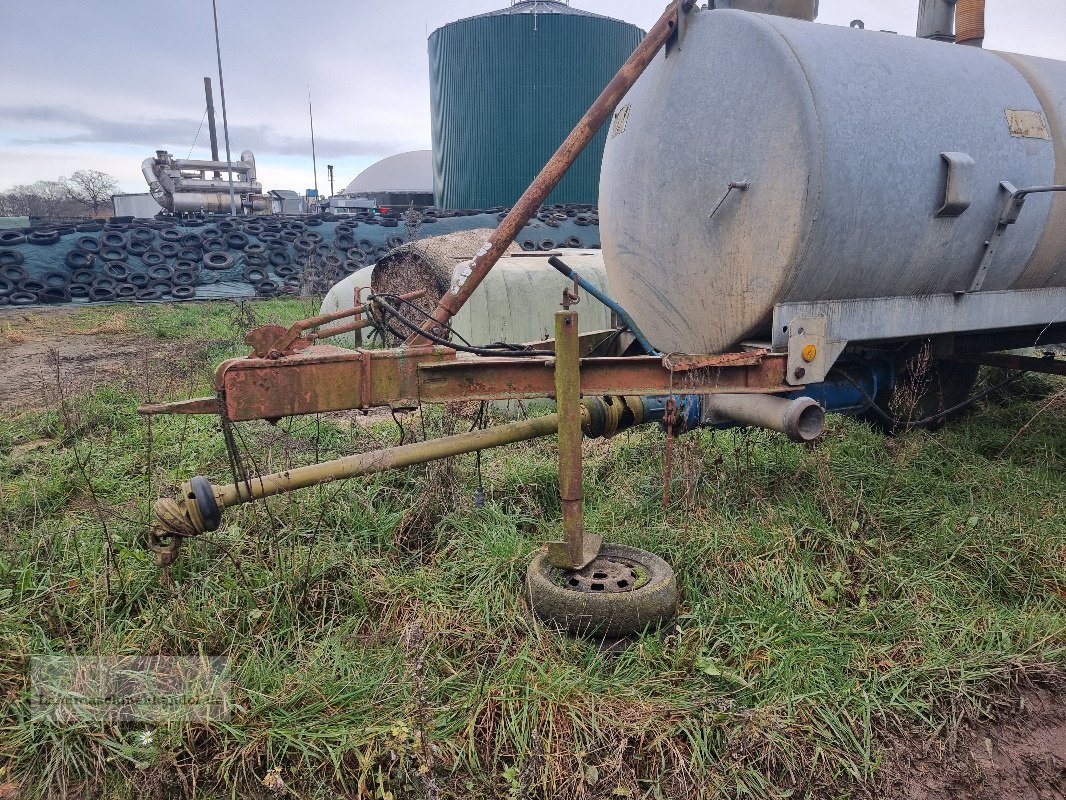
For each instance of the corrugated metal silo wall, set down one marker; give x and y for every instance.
(506, 90)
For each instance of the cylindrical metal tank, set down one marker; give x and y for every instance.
(505, 90)
(834, 141)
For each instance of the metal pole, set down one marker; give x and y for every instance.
(329, 168)
(211, 123)
(225, 121)
(473, 272)
(314, 162)
(577, 548)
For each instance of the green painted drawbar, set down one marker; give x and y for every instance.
(507, 88)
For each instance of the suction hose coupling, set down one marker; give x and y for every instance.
(196, 511)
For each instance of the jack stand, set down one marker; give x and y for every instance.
(578, 549)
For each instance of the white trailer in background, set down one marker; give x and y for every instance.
(141, 206)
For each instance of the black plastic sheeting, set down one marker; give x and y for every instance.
(163, 260)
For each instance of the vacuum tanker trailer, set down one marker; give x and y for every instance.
(796, 219)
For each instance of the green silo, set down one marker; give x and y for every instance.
(506, 89)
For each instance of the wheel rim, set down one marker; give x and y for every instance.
(605, 575)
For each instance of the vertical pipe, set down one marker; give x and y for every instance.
(225, 122)
(568, 400)
(314, 161)
(970, 22)
(936, 20)
(211, 123)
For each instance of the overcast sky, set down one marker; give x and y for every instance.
(102, 84)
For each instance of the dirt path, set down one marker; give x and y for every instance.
(109, 354)
(1021, 756)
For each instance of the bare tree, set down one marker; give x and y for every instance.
(43, 199)
(91, 189)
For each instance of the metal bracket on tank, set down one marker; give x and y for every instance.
(1008, 216)
(810, 353)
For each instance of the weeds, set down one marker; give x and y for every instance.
(378, 637)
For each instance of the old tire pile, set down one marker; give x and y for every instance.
(219, 257)
(624, 591)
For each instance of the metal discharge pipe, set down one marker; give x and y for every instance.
(970, 22)
(474, 272)
(801, 420)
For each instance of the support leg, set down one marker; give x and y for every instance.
(577, 548)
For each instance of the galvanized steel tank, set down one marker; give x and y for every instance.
(838, 135)
(505, 90)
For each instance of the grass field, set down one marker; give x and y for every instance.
(834, 597)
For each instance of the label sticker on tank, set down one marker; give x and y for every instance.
(1027, 124)
(621, 117)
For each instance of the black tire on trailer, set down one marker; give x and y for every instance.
(169, 249)
(152, 258)
(190, 240)
(139, 279)
(79, 291)
(546, 244)
(32, 285)
(11, 238)
(6, 287)
(572, 241)
(285, 270)
(172, 235)
(104, 282)
(279, 258)
(255, 249)
(22, 298)
(82, 276)
(113, 239)
(126, 291)
(149, 294)
(184, 278)
(213, 244)
(163, 272)
(146, 235)
(622, 592)
(137, 247)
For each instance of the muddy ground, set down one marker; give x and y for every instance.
(1020, 755)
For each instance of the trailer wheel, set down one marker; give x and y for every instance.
(922, 391)
(622, 592)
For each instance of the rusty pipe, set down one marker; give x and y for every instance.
(970, 22)
(474, 271)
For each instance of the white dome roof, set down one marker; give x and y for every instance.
(404, 172)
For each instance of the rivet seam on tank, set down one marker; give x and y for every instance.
(1027, 124)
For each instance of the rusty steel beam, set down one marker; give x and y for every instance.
(523, 210)
(325, 378)
(1049, 366)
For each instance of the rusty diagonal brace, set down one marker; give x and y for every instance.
(474, 272)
